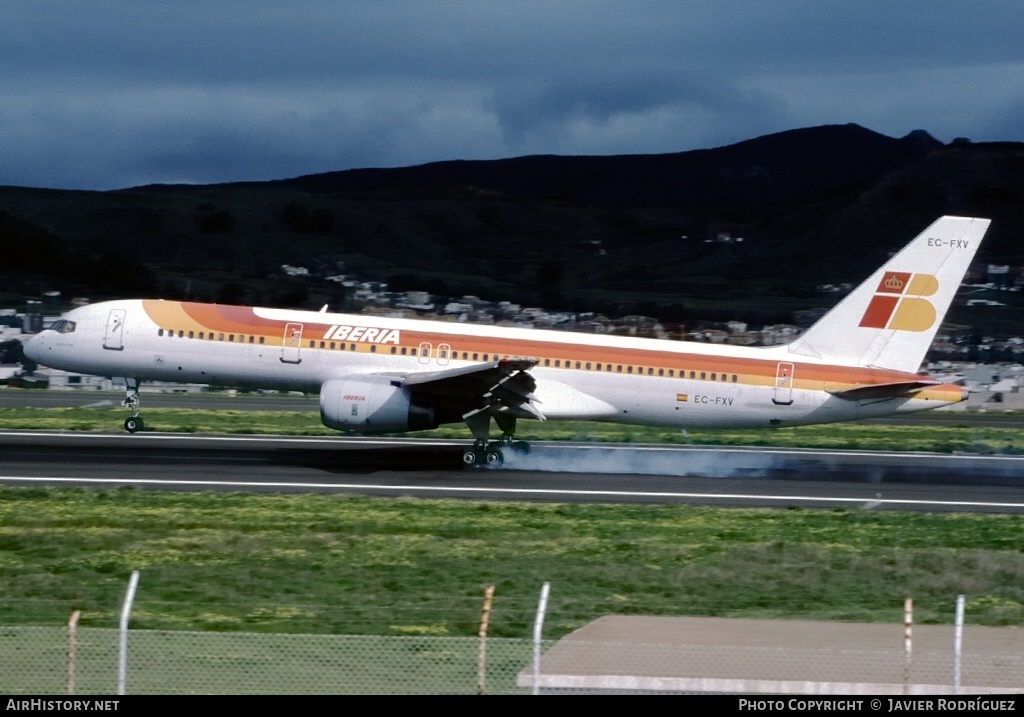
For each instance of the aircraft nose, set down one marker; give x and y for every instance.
(33, 348)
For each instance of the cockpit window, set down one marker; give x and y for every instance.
(62, 326)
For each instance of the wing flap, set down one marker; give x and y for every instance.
(505, 385)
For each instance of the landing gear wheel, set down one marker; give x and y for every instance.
(520, 448)
(133, 424)
(494, 457)
(469, 457)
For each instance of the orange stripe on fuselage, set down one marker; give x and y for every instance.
(188, 316)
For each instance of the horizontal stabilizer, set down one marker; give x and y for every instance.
(900, 389)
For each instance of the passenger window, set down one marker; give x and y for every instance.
(261, 339)
(588, 365)
(191, 334)
(220, 337)
(714, 377)
(181, 334)
(373, 348)
(703, 375)
(160, 332)
(323, 345)
(577, 364)
(734, 378)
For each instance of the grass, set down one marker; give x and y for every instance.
(374, 566)
(966, 437)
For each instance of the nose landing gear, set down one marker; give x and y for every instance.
(133, 423)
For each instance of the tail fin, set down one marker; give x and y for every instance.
(889, 321)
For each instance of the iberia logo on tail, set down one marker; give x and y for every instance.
(898, 302)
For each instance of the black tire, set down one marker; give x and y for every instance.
(494, 457)
(520, 447)
(469, 457)
(133, 424)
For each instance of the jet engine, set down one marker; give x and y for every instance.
(368, 406)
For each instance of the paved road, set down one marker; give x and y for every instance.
(552, 472)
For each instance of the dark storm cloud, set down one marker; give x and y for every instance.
(111, 93)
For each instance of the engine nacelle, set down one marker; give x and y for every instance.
(368, 406)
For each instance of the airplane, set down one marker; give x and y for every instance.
(384, 375)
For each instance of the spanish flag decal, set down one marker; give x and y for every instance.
(899, 302)
(682, 397)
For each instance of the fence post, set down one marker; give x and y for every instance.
(538, 627)
(72, 627)
(958, 638)
(908, 621)
(481, 659)
(126, 609)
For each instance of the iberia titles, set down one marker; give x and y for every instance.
(363, 334)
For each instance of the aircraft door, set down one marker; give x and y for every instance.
(291, 343)
(783, 395)
(425, 352)
(443, 350)
(113, 337)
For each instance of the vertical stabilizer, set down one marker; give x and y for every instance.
(889, 321)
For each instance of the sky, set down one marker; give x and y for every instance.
(107, 94)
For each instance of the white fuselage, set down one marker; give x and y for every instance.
(578, 376)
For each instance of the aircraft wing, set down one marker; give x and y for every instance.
(899, 389)
(504, 384)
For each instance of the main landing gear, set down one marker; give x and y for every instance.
(491, 453)
(133, 423)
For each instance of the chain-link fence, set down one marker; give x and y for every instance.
(43, 660)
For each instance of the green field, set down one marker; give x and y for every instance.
(966, 435)
(359, 565)
(375, 566)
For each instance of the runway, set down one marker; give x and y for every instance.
(553, 472)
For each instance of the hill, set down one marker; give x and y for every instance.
(650, 233)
